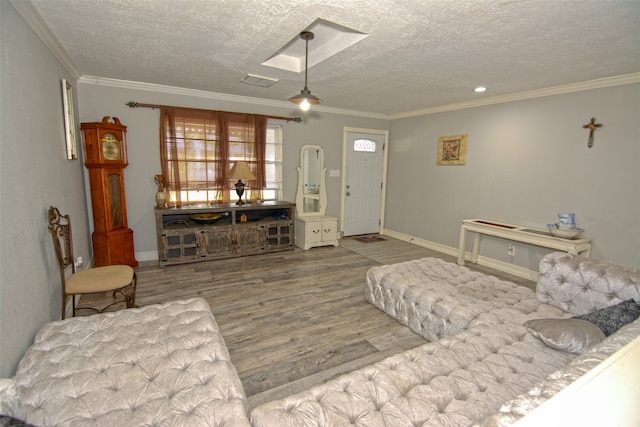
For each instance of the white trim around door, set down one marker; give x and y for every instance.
(343, 198)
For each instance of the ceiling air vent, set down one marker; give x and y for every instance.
(252, 79)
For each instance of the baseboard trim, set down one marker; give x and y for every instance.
(147, 256)
(515, 270)
(525, 273)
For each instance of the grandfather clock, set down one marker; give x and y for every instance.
(105, 150)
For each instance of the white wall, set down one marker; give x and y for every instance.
(526, 161)
(318, 128)
(34, 174)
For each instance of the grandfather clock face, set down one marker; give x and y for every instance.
(110, 147)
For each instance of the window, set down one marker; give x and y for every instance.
(273, 164)
(364, 145)
(199, 147)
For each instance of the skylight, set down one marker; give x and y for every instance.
(330, 39)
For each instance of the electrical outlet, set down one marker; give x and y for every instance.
(511, 250)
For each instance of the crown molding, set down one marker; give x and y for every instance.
(538, 93)
(26, 10)
(174, 90)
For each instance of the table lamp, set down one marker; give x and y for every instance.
(240, 171)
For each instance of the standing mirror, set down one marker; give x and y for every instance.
(312, 193)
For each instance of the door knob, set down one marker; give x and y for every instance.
(348, 194)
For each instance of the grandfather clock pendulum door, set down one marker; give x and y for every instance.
(106, 157)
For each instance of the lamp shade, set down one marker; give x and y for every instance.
(240, 171)
(305, 99)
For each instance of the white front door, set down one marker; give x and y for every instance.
(363, 171)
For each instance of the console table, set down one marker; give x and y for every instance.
(249, 229)
(516, 233)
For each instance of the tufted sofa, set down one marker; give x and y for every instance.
(485, 366)
(159, 365)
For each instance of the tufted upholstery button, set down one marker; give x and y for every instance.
(185, 366)
(134, 406)
(290, 407)
(378, 406)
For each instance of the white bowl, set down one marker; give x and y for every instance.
(562, 226)
(565, 234)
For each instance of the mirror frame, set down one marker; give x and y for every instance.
(321, 197)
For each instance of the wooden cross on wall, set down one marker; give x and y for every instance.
(592, 126)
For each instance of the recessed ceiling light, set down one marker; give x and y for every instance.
(480, 89)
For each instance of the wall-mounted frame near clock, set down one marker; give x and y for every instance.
(105, 149)
(69, 120)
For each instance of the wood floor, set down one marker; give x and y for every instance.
(292, 319)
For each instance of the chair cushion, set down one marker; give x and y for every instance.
(100, 279)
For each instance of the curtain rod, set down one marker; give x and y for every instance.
(133, 104)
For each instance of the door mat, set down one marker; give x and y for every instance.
(371, 238)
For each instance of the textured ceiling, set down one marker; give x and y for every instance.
(419, 54)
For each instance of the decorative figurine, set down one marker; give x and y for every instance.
(161, 195)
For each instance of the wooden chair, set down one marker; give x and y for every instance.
(119, 279)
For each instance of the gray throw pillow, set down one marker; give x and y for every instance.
(612, 318)
(570, 335)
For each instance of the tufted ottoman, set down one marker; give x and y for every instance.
(157, 365)
(436, 299)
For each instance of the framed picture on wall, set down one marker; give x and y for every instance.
(69, 120)
(452, 150)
